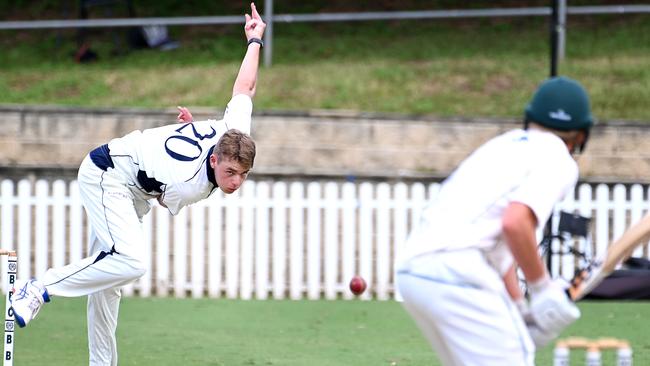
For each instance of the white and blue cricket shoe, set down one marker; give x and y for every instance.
(27, 299)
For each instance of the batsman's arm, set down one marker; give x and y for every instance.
(247, 76)
(518, 227)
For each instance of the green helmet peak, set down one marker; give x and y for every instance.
(560, 103)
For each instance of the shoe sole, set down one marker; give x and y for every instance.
(19, 319)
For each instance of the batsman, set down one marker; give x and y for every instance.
(457, 274)
(176, 165)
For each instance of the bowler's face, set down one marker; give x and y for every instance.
(229, 174)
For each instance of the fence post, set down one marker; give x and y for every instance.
(418, 200)
(58, 223)
(348, 247)
(24, 228)
(268, 33)
(197, 249)
(262, 230)
(562, 10)
(313, 240)
(279, 240)
(296, 241)
(558, 19)
(586, 209)
(232, 244)
(400, 229)
(366, 213)
(602, 219)
(180, 253)
(144, 282)
(76, 223)
(162, 251)
(331, 234)
(215, 245)
(619, 212)
(41, 228)
(636, 211)
(247, 194)
(382, 248)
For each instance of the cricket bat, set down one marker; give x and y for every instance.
(618, 251)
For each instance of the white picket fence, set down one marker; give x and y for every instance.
(274, 239)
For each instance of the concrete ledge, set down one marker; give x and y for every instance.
(313, 143)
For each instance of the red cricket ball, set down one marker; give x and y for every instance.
(357, 285)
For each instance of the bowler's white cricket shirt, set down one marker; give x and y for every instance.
(528, 166)
(173, 160)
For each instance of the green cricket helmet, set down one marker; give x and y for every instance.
(560, 103)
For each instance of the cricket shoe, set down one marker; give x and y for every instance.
(27, 299)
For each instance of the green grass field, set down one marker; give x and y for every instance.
(292, 333)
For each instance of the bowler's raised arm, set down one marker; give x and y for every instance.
(247, 76)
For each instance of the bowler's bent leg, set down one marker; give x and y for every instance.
(117, 258)
(116, 242)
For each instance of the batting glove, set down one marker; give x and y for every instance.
(539, 337)
(551, 310)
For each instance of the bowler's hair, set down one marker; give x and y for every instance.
(236, 146)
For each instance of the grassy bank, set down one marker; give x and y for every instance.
(471, 67)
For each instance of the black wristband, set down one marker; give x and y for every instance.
(255, 40)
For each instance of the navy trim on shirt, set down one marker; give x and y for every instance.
(208, 169)
(149, 184)
(101, 156)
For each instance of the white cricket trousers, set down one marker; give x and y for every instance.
(460, 304)
(116, 259)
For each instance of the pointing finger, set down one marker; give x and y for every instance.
(254, 12)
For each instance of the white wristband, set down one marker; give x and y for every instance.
(539, 285)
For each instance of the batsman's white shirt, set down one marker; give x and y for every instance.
(528, 166)
(175, 157)
(451, 268)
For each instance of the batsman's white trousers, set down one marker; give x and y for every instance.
(461, 306)
(116, 260)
